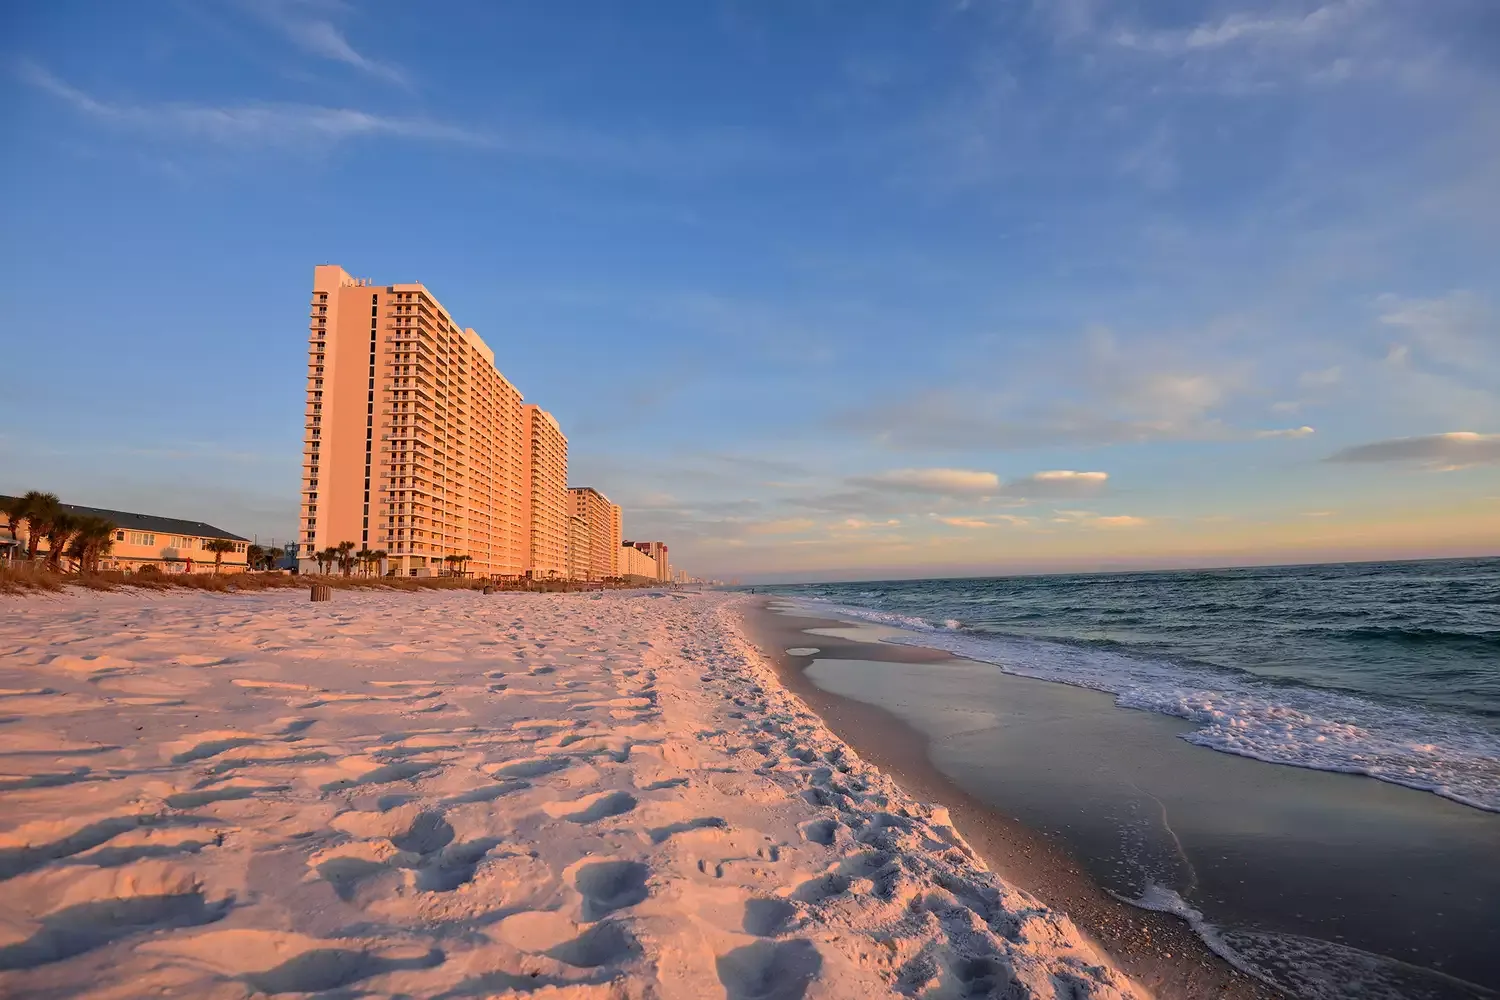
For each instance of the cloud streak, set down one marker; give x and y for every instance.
(936, 481)
(1056, 483)
(1286, 432)
(1452, 450)
(249, 124)
(297, 127)
(320, 37)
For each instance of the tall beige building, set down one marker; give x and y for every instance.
(578, 547)
(415, 443)
(599, 516)
(616, 538)
(546, 465)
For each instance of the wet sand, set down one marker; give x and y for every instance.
(1159, 951)
(1313, 871)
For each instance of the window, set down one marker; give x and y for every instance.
(138, 537)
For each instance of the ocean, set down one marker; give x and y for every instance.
(1390, 670)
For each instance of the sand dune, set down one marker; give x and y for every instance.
(451, 795)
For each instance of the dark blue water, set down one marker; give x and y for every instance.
(1386, 669)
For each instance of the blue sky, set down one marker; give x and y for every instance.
(816, 290)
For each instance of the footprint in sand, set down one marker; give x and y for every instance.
(767, 917)
(606, 943)
(274, 962)
(769, 970)
(607, 886)
(591, 808)
(154, 897)
(529, 767)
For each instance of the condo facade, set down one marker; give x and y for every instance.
(600, 519)
(417, 448)
(635, 564)
(414, 440)
(658, 553)
(546, 466)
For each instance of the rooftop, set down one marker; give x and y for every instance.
(151, 522)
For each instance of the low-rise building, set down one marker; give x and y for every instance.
(168, 544)
(635, 565)
(658, 553)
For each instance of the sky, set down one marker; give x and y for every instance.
(822, 290)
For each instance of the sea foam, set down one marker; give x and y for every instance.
(1299, 726)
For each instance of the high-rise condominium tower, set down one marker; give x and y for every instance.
(616, 538)
(546, 467)
(415, 444)
(598, 515)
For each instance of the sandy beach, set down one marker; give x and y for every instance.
(458, 795)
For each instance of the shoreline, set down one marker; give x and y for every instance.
(1157, 950)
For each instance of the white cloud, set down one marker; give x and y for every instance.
(250, 124)
(305, 127)
(1090, 519)
(988, 521)
(1458, 329)
(938, 481)
(322, 38)
(1098, 392)
(1240, 29)
(1453, 450)
(1056, 483)
(1286, 432)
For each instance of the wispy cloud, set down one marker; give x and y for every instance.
(248, 124)
(938, 481)
(1245, 29)
(1453, 450)
(1456, 330)
(1056, 483)
(306, 24)
(1091, 519)
(1286, 432)
(306, 126)
(987, 521)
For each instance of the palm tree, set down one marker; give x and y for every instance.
(60, 529)
(461, 560)
(253, 556)
(219, 546)
(93, 539)
(451, 560)
(326, 558)
(377, 557)
(41, 508)
(14, 509)
(345, 552)
(364, 556)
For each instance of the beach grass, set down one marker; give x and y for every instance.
(23, 578)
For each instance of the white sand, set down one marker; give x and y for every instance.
(452, 795)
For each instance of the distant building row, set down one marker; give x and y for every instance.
(415, 445)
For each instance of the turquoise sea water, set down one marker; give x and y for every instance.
(1391, 670)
